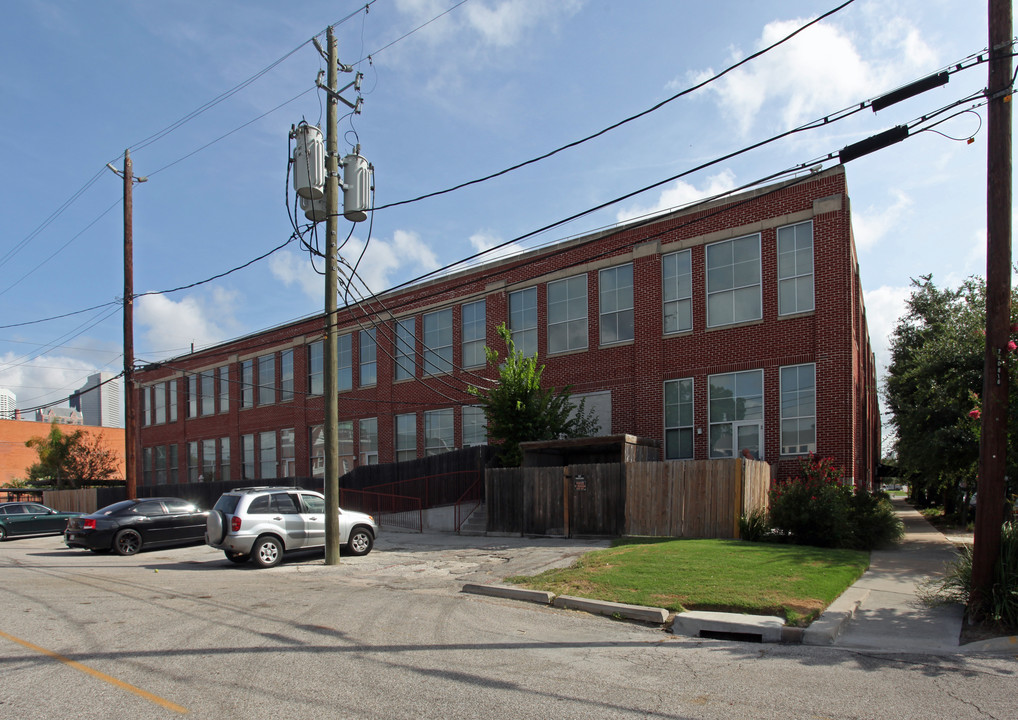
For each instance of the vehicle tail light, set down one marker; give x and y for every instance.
(88, 524)
(235, 524)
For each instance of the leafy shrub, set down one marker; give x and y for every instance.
(755, 527)
(818, 508)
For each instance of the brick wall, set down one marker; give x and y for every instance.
(16, 458)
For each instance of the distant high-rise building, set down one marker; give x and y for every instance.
(8, 404)
(98, 401)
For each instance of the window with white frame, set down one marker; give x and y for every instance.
(267, 380)
(369, 365)
(475, 426)
(224, 388)
(347, 456)
(733, 281)
(523, 320)
(316, 450)
(287, 455)
(207, 390)
(677, 291)
(616, 304)
(438, 432)
(798, 409)
(405, 348)
(368, 430)
(172, 463)
(247, 451)
(247, 392)
(473, 329)
(567, 314)
(171, 400)
(192, 395)
(344, 362)
(316, 367)
(438, 342)
(735, 409)
(159, 403)
(192, 461)
(679, 419)
(286, 375)
(795, 268)
(208, 460)
(406, 437)
(224, 459)
(267, 454)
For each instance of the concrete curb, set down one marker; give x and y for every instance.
(640, 613)
(511, 593)
(729, 626)
(826, 628)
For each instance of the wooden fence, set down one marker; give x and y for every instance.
(664, 499)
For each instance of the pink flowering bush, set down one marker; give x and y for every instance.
(818, 508)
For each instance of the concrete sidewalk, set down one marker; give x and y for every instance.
(890, 616)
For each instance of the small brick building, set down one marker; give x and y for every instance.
(734, 326)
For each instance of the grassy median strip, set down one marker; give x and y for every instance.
(791, 581)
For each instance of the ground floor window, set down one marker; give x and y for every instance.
(679, 419)
(735, 406)
(798, 409)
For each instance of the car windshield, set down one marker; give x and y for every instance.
(115, 507)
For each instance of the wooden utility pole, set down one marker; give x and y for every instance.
(331, 382)
(993, 439)
(130, 414)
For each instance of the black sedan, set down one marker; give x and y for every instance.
(127, 526)
(30, 518)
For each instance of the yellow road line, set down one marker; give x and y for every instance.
(98, 675)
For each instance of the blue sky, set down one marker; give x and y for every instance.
(483, 87)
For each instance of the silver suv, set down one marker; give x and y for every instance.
(261, 523)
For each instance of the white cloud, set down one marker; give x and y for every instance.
(820, 69)
(405, 255)
(295, 269)
(872, 225)
(679, 194)
(973, 254)
(172, 326)
(45, 379)
(497, 23)
(883, 308)
(482, 241)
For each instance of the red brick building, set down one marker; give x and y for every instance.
(732, 326)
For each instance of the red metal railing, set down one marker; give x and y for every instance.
(389, 510)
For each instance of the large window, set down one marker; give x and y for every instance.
(438, 432)
(344, 362)
(316, 450)
(733, 281)
(192, 461)
(247, 450)
(368, 430)
(677, 291)
(208, 460)
(679, 419)
(567, 314)
(616, 304)
(207, 388)
(473, 329)
(795, 268)
(171, 400)
(287, 455)
(475, 430)
(405, 349)
(286, 376)
(369, 365)
(247, 391)
(224, 459)
(735, 406)
(523, 320)
(159, 403)
(267, 380)
(172, 463)
(406, 437)
(192, 396)
(438, 342)
(316, 367)
(224, 390)
(798, 409)
(267, 454)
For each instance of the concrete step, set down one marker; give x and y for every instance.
(477, 523)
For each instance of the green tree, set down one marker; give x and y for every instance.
(932, 391)
(518, 409)
(65, 460)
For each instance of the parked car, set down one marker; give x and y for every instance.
(129, 525)
(263, 523)
(29, 518)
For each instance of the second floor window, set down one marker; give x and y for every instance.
(523, 320)
(616, 299)
(677, 291)
(438, 342)
(567, 314)
(405, 348)
(369, 365)
(733, 281)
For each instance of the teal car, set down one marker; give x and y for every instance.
(29, 518)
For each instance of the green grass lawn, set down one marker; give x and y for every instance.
(791, 581)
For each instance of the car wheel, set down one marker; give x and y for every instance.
(360, 543)
(236, 557)
(267, 552)
(215, 526)
(3, 533)
(127, 542)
